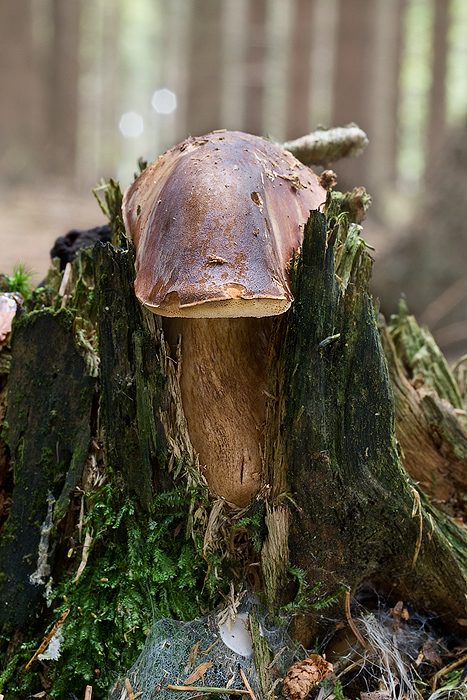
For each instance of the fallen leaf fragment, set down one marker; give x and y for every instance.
(302, 676)
(198, 673)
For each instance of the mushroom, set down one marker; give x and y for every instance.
(215, 221)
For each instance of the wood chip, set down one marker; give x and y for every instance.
(247, 685)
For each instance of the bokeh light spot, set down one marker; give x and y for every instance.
(131, 125)
(164, 101)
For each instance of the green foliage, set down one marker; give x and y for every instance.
(255, 523)
(307, 598)
(19, 281)
(140, 568)
(338, 690)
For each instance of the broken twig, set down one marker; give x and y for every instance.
(129, 689)
(325, 146)
(47, 638)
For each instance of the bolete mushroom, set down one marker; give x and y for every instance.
(215, 221)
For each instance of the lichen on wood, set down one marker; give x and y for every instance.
(325, 146)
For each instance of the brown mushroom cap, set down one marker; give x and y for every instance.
(215, 221)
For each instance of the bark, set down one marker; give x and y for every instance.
(432, 439)
(47, 429)
(115, 461)
(351, 514)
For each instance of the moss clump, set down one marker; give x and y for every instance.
(140, 568)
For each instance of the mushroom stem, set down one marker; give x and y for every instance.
(223, 383)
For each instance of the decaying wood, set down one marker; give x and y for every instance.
(431, 434)
(325, 146)
(337, 449)
(47, 429)
(336, 503)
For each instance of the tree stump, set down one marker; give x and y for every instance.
(111, 518)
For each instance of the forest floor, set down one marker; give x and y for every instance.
(31, 220)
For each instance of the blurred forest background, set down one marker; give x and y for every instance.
(88, 86)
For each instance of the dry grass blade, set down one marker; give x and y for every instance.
(417, 510)
(208, 689)
(350, 622)
(85, 554)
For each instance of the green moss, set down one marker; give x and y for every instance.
(64, 316)
(140, 568)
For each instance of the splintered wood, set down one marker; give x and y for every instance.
(302, 676)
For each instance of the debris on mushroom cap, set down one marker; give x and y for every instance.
(9, 301)
(214, 221)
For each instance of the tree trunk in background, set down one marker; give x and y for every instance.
(20, 112)
(205, 67)
(382, 160)
(299, 71)
(429, 261)
(255, 66)
(64, 85)
(353, 80)
(437, 105)
(175, 58)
